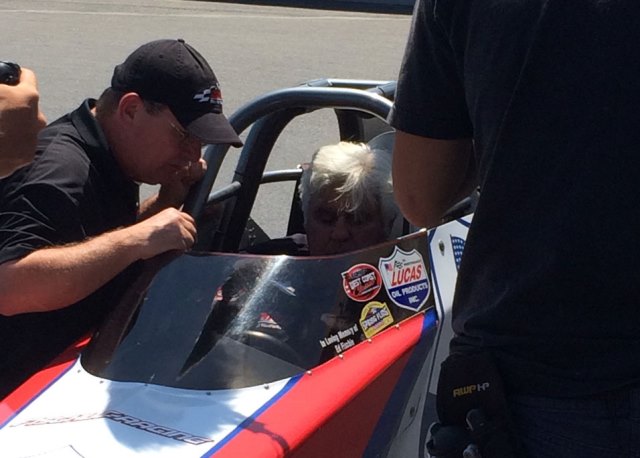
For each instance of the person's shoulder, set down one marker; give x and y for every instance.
(61, 161)
(60, 164)
(62, 131)
(61, 148)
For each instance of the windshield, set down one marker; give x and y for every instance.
(215, 321)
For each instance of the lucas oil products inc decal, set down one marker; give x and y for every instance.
(361, 282)
(405, 278)
(374, 318)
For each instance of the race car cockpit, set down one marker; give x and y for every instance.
(234, 321)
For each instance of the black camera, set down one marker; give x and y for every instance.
(9, 73)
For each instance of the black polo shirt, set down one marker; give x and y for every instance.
(549, 91)
(74, 189)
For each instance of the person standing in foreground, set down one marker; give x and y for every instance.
(70, 223)
(20, 121)
(548, 94)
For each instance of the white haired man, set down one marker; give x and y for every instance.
(346, 195)
(347, 198)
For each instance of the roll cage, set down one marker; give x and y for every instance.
(361, 108)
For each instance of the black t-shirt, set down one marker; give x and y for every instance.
(549, 91)
(73, 190)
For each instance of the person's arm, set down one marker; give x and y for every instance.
(53, 278)
(20, 121)
(430, 175)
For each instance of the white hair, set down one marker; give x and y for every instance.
(356, 173)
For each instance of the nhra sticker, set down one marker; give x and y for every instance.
(405, 278)
(374, 318)
(361, 282)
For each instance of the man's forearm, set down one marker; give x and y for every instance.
(53, 278)
(430, 175)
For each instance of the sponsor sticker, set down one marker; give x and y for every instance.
(405, 278)
(341, 340)
(126, 420)
(374, 318)
(362, 282)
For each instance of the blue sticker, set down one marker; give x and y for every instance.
(458, 247)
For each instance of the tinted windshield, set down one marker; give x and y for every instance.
(215, 321)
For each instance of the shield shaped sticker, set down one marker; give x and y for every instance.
(405, 278)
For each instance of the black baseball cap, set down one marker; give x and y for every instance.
(173, 73)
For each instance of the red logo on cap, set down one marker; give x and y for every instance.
(210, 95)
(216, 94)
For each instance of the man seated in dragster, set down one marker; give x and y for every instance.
(347, 198)
(347, 201)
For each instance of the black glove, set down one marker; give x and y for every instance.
(471, 398)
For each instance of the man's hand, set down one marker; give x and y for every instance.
(168, 230)
(20, 122)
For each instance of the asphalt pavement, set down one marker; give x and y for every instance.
(73, 46)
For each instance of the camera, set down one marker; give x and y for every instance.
(9, 73)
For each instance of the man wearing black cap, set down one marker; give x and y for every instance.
(70, 222)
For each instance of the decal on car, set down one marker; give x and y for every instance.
(126, 420)
(405, 278)
(341, 340)
(374, 318)
(361, 282)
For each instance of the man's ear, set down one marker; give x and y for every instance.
(129, 107)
